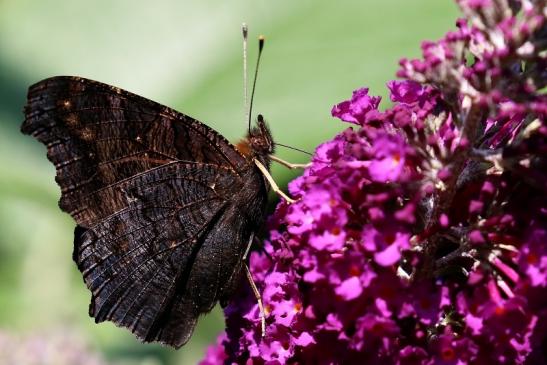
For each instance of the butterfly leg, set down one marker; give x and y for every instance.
(258, 299)
(290, 165)
(270, 179)
(251, 239)
(261, 248)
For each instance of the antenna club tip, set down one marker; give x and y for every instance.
(261, 40)
(244, 29)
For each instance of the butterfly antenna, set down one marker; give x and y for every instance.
(293, 148)
(260, 47)
(245, 93)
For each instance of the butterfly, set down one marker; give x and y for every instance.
(165, 206)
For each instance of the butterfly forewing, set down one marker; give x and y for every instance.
(98, 135)
(162, 202)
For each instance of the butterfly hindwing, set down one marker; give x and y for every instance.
(147, 264)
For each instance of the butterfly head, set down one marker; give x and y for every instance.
(258, 143)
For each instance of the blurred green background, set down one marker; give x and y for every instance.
(185, 54)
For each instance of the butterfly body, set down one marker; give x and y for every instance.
(165, 206)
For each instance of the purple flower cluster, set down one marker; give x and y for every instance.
(420, 234)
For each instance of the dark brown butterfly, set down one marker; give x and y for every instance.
(165, 206)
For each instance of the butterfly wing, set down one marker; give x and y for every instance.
(98, 135)
(152, 191)
(157, 264)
